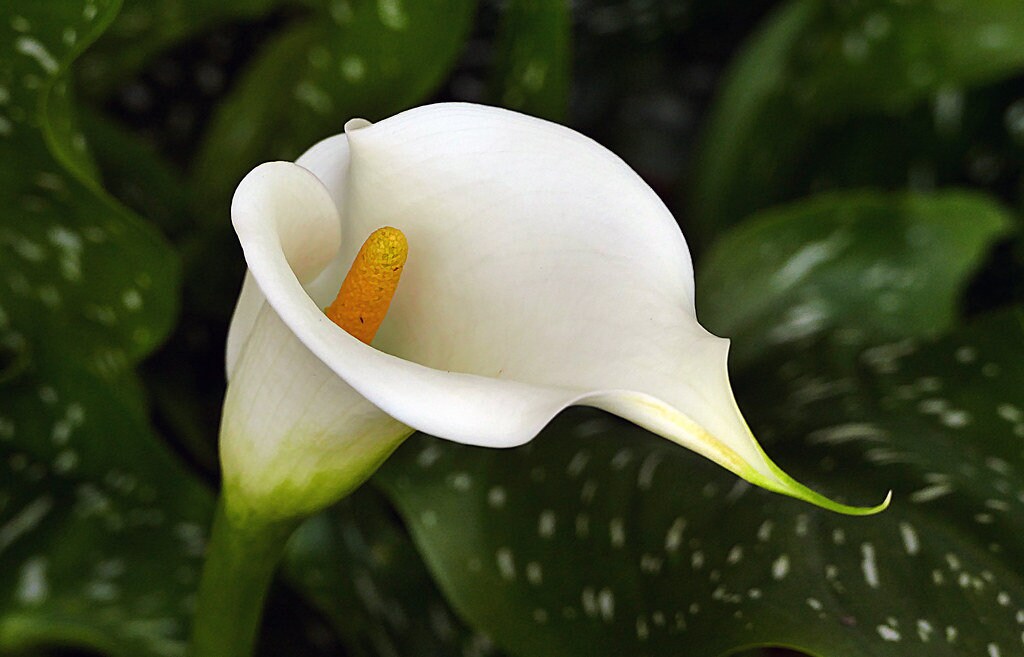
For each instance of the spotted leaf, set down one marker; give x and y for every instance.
(532, 73)
(818, 65)
(368, 59)
(874, 266)
(100, 530)
(598, 539)
(144, 28)
(358, 566)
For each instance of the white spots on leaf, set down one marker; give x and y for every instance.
(392, 14)
(592, 427)
(582, 525)
(868, 565)
(802, 523)
(956, 419)
(428, 456)
(341, 11)
(800, 321)
(314, 97)
(31, 47)
(546, 524)
(997, 464)
(20, 24)
(534, 573)
(643, 630)
(533, 75)
(966, 355)
(809, 257)
(948, 109)
(69, 248)
(621, 458)
(911, 542)
(131, 299)
(352, 68)
(33, 587)
(617, 532)
(588, 491)
(645, 474)
(994, 36)
(496, 497)
(994, 651)
(192, 537)
(931, 493)
(780, 567)
(884, 359)
(578, 463)
(735, 555)
(674, 535)
(24, 521)
(65, 461)
(47, 395)
(506, 563)
(461, 481)
(848, 432)
(888, 633)
(651, 564)
(606, 604)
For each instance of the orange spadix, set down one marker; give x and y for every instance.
(366, 292)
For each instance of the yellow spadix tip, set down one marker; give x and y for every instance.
(366, 293)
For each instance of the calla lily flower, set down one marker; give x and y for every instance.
(542, 273)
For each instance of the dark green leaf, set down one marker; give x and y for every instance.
(143, 28)
(100, 529)
(877, 266)
(535, 58)
(601, 539)
(817, 64)
(364, 59)
(357, 565)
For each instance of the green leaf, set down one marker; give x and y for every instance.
(535, 58)
(876, 266)
(144, 28)
(818, 64)
(601, 539)
(100, 529)
(358, 566)
(368, 59)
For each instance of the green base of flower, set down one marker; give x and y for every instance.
(240, 561)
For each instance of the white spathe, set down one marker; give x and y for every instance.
(542, 273)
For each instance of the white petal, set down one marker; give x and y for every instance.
(328, 161)
(542, 272)
(295, 437)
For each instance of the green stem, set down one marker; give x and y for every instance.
(240, 561)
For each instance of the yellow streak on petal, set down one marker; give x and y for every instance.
(366, 292)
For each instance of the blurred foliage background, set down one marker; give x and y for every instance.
(848, 175)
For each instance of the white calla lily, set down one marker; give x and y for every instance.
(542, 273)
